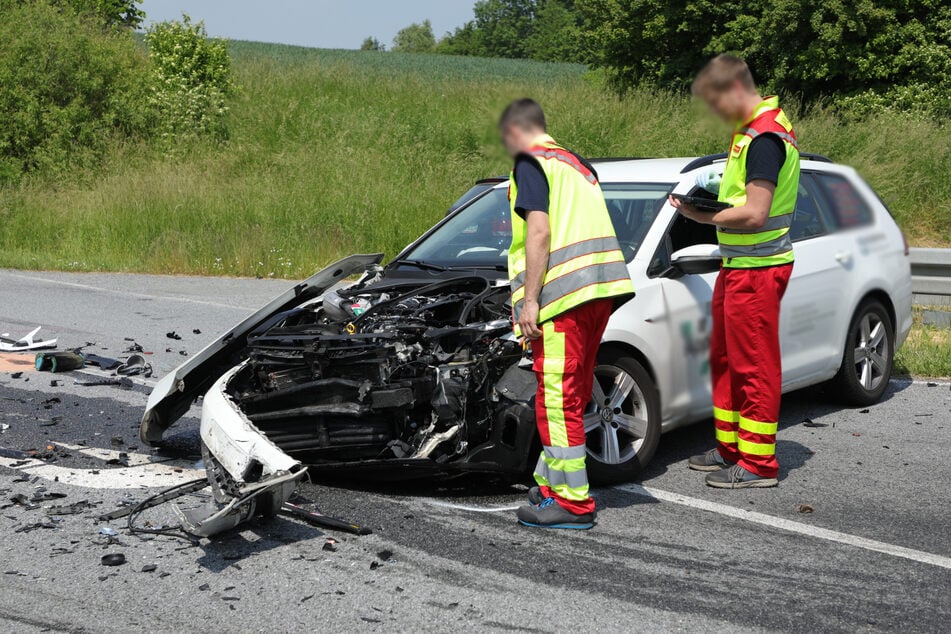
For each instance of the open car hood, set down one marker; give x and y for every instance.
(174, 394)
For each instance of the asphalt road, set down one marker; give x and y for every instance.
(668, 554)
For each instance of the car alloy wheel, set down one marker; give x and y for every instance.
(615, 420)
(872, 352)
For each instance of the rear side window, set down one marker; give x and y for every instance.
(811, 213)
(849, 209)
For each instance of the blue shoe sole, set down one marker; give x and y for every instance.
(578, 527)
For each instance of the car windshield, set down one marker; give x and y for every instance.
(480, 234)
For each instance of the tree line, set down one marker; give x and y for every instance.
(859, 56)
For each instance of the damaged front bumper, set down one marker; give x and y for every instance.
(249, 475)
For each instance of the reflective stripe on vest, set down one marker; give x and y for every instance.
(769, 245)
(585, 261)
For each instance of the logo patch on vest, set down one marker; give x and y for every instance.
(784, 121)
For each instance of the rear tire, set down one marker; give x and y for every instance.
(622, 421)
(868, 357)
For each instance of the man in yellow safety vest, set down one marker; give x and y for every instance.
(566, 269)
(761, 183)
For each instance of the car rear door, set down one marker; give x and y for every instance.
(814, 317)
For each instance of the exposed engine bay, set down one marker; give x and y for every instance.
(418, 373)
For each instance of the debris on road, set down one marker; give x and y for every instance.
(149, 568)
(808, 422)
(123, 382)
(24, 343)
(59, 361)
(113, 559)
(196, 331)
(804, 508)
(104, 363)
(173, 335)
(134, 366)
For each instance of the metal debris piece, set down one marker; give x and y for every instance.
(149, 568)
(69, 509)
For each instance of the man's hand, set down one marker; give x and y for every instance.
(528, 320)
(689, 211)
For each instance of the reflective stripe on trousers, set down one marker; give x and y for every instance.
(746, 365)
(563, 360)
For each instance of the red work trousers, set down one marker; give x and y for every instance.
(564, 359)
(746, 365)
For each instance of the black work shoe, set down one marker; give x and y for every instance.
(736, 477)
(710, 461)
(535, 496)
(550, 514)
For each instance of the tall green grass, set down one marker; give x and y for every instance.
(336, 152)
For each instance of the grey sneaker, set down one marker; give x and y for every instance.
(710, 461)
(535, 496)
(736, 477)
(550, 514)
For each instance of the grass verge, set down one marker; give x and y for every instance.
(926, 353)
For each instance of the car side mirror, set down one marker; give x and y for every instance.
(697, 259)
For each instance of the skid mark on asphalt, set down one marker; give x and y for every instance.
(142, 472)
(788, 525)
(112, 291)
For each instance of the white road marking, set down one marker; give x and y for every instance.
(113, 291)
(142, 471)
(789, 525)
(466, 507)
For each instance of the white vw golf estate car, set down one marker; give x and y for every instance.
(410, 369)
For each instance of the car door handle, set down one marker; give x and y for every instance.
(843, 257)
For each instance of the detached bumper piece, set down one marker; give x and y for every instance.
(249, 475)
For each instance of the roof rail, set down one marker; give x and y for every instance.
(710, 159)
(616, 159)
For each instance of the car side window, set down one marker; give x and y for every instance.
(809, 219)
(849, 209)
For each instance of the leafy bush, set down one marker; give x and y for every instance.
(67, 86)
(191, 80)
(863, 56)
(415, 38)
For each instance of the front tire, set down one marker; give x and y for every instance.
(622, 421)
(868, 357)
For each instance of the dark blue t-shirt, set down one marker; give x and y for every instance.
(532, 186)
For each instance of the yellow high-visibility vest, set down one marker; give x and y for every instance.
(585, 261)
(769, 245)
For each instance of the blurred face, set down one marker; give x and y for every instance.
(517, 140)
(730, 104)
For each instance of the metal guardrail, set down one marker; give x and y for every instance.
(931, 276)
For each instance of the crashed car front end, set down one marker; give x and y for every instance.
(409, 377)
(396, 378)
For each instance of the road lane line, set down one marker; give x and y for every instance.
(788, 525)
(90, 287)
(466, 507)
(142, 472)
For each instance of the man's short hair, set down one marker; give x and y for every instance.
(721, 72)
(526, 114)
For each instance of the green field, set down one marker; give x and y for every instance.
(336, 152)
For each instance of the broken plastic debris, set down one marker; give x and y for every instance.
(134, 366)
(108, 531)
(113, 559)
(24, 343)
